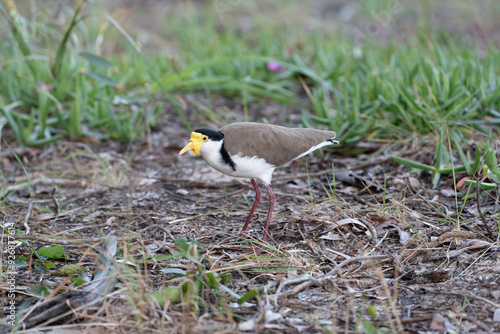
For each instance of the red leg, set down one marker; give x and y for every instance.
(272, 200)
(258, 196)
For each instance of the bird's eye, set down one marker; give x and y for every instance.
(205, 138)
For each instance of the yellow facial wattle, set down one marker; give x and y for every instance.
(195, 143)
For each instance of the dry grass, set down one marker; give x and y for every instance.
(344, 255)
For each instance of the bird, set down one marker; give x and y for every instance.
(253, 150)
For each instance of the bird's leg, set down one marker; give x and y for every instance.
(272, 200)
(258, 196)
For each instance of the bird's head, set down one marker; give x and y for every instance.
(199, 137)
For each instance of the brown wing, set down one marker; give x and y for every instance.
(276, 144)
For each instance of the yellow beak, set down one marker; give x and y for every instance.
(194, 143)
(187, 148)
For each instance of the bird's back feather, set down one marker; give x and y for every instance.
(276, 144)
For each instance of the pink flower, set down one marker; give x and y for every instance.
(275, 66)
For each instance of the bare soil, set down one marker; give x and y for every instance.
(376, 244)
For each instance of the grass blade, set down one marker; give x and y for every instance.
(56, 69)
(412, 164)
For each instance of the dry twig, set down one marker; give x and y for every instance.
(92, 295)
(28, 215)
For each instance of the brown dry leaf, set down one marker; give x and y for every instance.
(397, 182)
(45, 216)
(415, 183)
(476, 243)
(495, 294)
(331, 236)
(89, 140)
(346, 221)
(348, 190)
(440, 323)
(378, 218)
(447, 192)
(50, 216)
(381, 227)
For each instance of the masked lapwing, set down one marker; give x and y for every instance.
(254, 150)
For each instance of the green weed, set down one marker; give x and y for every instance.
(362, 91)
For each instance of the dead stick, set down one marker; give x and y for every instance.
(355, 259)
(28, 215)
(55, 201)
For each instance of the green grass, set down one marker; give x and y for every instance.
(56, 81)
(89, 76)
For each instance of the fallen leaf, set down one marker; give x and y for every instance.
(348, 190)
(378, 218)
(461, 183)
(496, 316)
(403, 235)
(145, 181)
(381, 227)
(331, 236)
(50, 216)
(182, 192)
(342, 222)
(297, 184)
(415, 183)
(397, 182)
(476, 243)
(495, 294)
(272, 316)
(448, 192)
(440, 323)
(247, 326)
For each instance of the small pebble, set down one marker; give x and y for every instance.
(182, 192)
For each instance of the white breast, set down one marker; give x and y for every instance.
(253, 167)
(248, 167)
